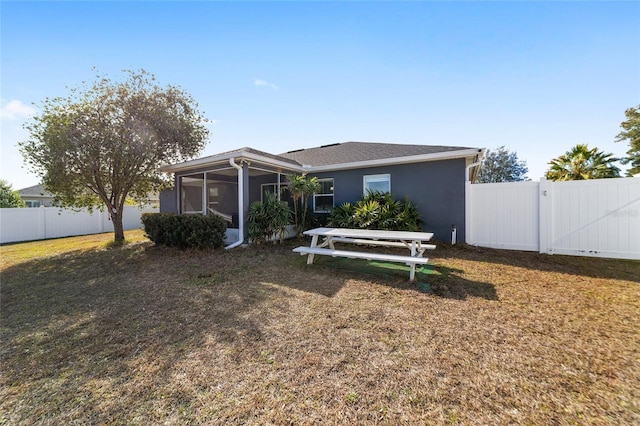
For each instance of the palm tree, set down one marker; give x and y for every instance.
(580, 163)
(296, 188)
(310, 187)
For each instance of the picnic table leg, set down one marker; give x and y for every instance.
(412, 274)
(330, 241)
(314, 243)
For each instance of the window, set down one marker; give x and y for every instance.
(31, 203)
(323, 199)
(268, 188)
(376, 183)
(272, 188)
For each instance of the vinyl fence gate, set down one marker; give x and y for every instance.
(598, 218)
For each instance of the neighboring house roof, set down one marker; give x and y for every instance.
(35, 191)
(338, 156)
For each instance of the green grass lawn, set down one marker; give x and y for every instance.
(139, 334)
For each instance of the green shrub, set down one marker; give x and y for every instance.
(377, 210)
(267, 219)
(185, 231)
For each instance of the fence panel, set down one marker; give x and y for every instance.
(588, 218)
(63, 223)
(29, 224)
(22, 224)
(504, 215)
(596, 218)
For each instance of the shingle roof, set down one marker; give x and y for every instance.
(340, 155)
(351, 152)
(223, 157)
(263, 154)
(35, 191)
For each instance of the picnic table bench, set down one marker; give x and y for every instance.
(414, 241)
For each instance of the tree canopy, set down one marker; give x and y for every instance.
(500, 165)
(631, 133)
(580, 163)
(105, 141)
(8, 197)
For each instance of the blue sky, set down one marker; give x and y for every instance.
(537, 77)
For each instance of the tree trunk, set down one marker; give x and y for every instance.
(118, 228)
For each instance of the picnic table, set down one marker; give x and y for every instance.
(414, 241)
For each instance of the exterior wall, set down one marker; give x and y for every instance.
(255, 187)
(435, 187)
(168, 201)
(44, 201)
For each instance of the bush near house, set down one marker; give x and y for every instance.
(185, 231)
(377, 210)
(268, 218)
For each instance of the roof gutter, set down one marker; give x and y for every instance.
(240, 204)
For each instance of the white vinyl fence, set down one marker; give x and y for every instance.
(52, 222)
(587, 218)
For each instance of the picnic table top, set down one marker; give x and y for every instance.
(371, 234)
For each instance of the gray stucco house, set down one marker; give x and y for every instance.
(433, 177)
(36, 196)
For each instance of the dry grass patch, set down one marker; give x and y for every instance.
(141, 335)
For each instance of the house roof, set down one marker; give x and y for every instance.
(241, 153)
(359, 152)
(339, 156)
(35, 191)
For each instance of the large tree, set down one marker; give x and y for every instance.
(9, 197)
(105, 141)
(500, 165)
(631, 133)
(580, 163)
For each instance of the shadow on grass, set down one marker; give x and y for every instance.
(152, 335)
(120, 322)
(438, 280)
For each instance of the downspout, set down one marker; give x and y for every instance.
(468, 202)
(468, 170)
(240, 205)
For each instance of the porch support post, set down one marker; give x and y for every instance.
(278, 187)
(245, 197)
(176, 185)
(205, 204)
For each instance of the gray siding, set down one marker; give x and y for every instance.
(435, 187)
(168, 201)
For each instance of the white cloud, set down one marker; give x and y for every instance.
(262, 83)
(15, 110)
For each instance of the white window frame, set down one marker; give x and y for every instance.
(332, 194)
(375, 178)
